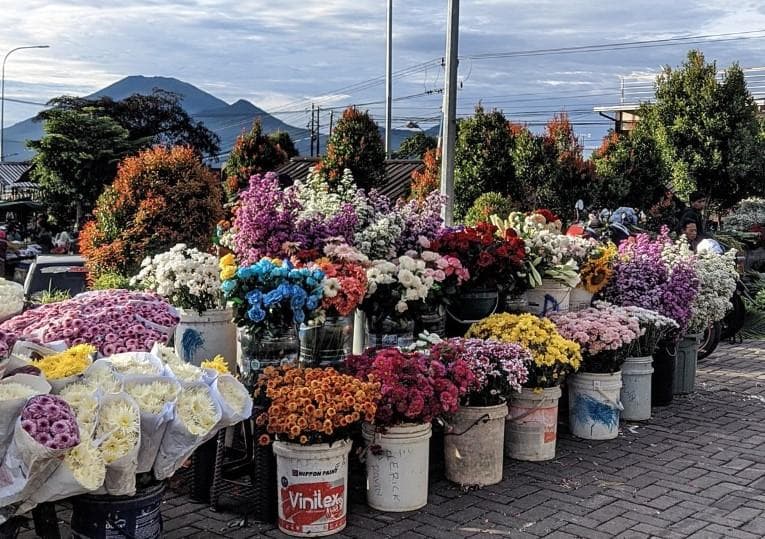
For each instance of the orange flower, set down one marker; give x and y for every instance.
(264, 439)
(304, 439)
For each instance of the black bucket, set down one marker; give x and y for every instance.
(663, 374)
(470, 307)
(119, 517)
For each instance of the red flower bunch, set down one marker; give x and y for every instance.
(489, 258)
(549, 216)
(415, 388)
(345, 286)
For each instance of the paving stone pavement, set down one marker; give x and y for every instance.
(696, 470)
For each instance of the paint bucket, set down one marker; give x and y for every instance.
(636, 388)
(474, 444)
(580, 299)
(327, 344)
(684, 379)
(549, 297)
(397, 466)
(663, 375)
(388, 333)
(594, 405)
(113, 517)
(204, 336)
(468, 308)
(531, 429)
(312, 487)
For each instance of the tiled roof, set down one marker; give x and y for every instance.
(398, 173)
(13, 171)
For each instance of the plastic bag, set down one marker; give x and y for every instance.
(229, 414)
(10, 409)
(153, 426)
(179, 443)
(120, 474)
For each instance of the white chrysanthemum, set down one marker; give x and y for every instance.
(13, 390)
(119, 428)
(105, 379)
(233, 393)
(151, 397)
(86, 462)
(196, 409)
(81, 397)
(186, 372)
(133, 364)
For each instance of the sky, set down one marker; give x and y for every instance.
(282, 55)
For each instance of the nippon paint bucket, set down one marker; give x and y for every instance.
(312, 486)
(531, 428)
(594, 405)
(204, 336)
(549, 297)
(474, 445)
(636, 388)
(397, 466)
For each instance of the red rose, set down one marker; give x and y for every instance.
(485, 259)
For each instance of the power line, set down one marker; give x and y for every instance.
(25, 102)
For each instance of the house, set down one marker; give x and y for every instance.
(635, 91)
(398, 174)
(15, 183)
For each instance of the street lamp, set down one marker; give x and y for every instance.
(2, 91)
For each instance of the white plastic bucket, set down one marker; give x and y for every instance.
(551, 296)
(580, 299)
(312, 487)
(531, 429)
(397, 466)
(199, 337)
(474, 445)
(594, 405)
(636, 388)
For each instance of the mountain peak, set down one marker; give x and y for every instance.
(192, 98)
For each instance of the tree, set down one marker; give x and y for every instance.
(708, 130)
(429, 180)
(631, 170)
(255, 153)
(414, 146)
(482, 158)
(76, 157)
(152, 119)
(355, 144)
(486, 205)
(160, 197)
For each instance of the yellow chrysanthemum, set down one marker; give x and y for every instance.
(68, 363)
(217, 363)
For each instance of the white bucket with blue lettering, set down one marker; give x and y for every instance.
(549, 297)
(397, 466)
(204, 336)
(594, 405)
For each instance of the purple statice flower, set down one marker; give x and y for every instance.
(265, 219)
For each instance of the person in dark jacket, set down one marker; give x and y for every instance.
(694, 213)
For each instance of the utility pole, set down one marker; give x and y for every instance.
(331, 120)
(312, 126)
(318, 130)
(449, 122)
(388, 78)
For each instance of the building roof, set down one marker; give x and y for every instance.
(14, 172)
(398, 174)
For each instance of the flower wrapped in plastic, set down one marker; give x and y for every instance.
(81, 396)
(119, 428)
(141, 363)
(554, 356)
(217, 364)
(50, 421)
(11, 299)
(71, 362)
(196, 409)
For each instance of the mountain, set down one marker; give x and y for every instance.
(227, 120)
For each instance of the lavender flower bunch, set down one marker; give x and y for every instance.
(50, 421)
(653, 327)
(420, 220)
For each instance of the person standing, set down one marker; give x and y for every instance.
(694, 213)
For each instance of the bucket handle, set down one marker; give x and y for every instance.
(529, 411)
(483, 419)
(460, 321)
(617, 404)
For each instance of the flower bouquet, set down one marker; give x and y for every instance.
(187, 278)
(111, 320)
(329, 338)
(554, 356)
(11, 299)
(119, 429)
(604, 333)
(597, 269)
(653, 328)
(718, 277)
(415, 389)
(271, 298)
(474, 442)
(396, 293)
